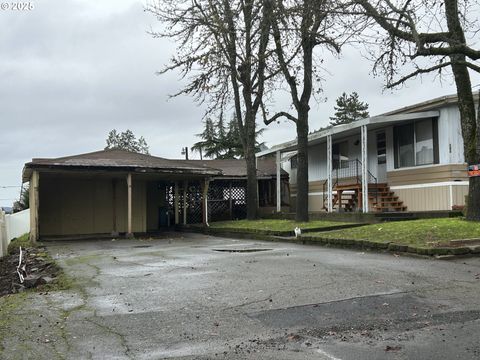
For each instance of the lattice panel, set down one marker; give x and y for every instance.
(194, 204)
(227, 200)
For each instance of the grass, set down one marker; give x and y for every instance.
(23, 241)
(421, 233)
(273, 225)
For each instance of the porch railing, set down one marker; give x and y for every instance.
(350, 172)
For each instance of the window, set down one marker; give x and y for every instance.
(293, 162)
(424, 142)
(340, 155)
(416, 144)
(381, 148)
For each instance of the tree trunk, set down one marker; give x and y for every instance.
(252, 184)
(302, 165)
(466, 106)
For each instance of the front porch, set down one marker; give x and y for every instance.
(348, 195)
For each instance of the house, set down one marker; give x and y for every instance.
(120, 192)
(408, 159)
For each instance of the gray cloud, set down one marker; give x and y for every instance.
(73, 70)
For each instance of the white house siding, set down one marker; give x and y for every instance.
(317, 162)
(450, 141)
(292, 173)
(317, 157)
(390, 148)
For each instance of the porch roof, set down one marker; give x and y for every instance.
(350, 129)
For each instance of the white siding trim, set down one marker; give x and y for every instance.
(424, 166)
(418, 186)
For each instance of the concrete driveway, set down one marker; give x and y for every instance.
(198, 297)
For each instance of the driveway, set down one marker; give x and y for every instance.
(190, 296)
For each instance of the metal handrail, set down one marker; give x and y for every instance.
(349, 169)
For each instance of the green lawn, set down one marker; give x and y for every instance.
(273, 225)
(424, 233)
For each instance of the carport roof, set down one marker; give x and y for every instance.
(116, 159)
(121, 160)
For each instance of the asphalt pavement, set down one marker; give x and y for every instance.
(191, 296)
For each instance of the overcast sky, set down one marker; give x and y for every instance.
(70, 71)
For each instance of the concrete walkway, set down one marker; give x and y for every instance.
(197, 297)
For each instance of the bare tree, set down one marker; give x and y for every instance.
(222, 53)
(299, 26)
(423, 36)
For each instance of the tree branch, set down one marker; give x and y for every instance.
(418, 72)
(280, 114)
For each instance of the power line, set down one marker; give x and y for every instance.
(9, 186)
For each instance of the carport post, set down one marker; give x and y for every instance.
(176, 207)
(34, 183)
(114, 208)
(129, 205)
(205, 201)
(279, 188)
(185, 186)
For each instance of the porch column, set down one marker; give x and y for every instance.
(176, 204)
(364, 149)
(185, 186)
(33, 194)
(205, 201)
(129, 206)
(114, 208)
(329, 174)
(279, 185)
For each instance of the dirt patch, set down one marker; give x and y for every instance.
(40, 270)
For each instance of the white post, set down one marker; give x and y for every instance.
(329, 174)
(176, 204)
(129, 205)
(364, 149)
(205, 202)
(279, 184)
(185, 186)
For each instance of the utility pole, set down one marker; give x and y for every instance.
(185, 152)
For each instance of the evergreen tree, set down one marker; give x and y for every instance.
(349, 108)
(126, 141)
(208, 145)
(223, 142)
(24, 202)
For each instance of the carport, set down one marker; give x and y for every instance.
(114, 192)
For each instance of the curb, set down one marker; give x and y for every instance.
(286, 233)
(441, 253)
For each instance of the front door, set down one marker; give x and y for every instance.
(381, 157)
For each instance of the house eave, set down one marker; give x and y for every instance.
(371, 123)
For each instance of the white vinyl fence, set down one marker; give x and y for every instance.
(12, 226)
